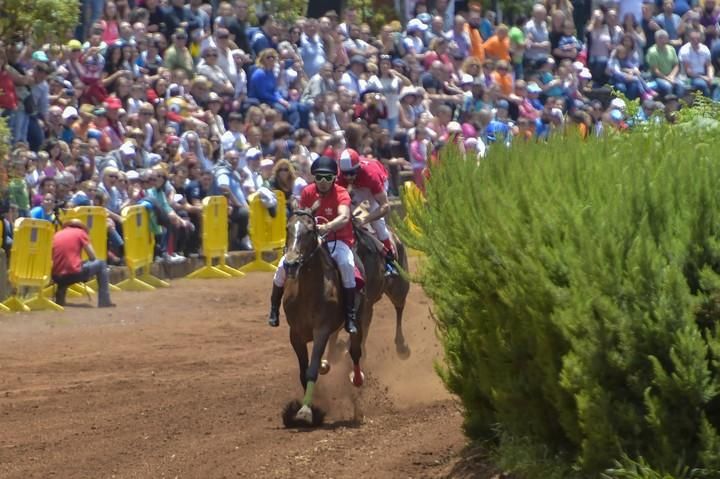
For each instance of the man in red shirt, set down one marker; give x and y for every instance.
(368, 181)
(331, 202)
(69, 268)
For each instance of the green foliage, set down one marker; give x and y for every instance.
(629, 469)
(576, 286)
(4, 154)
(39, 21)
(375, 13)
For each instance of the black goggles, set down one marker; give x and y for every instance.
(326, 177)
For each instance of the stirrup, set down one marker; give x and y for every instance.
(391, 270)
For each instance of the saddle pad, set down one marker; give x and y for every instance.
(359, 280)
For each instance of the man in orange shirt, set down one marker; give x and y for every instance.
(497, 47)
(472, 28)
(503, 79)
(68, 267)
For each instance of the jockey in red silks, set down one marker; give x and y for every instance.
(331, 201)
(368, 180)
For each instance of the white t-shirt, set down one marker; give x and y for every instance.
(634, 7)
(695, 59)
(390, 87)
(299, 185)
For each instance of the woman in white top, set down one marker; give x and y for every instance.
(599, 43)
(389, 82)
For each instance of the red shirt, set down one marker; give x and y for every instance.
(375, 164)
(8, 98)
(329, 204)
(371, 175)
(67, 248)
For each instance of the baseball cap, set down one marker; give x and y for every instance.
(69, 112)
(503, 104)
(40, 56)
(416, 24)
(127, 149)
(113, 103)
(74, 44)
(267, 163)
(617, 104)
(87, 109)
(252, 154)
(533, 87)
(132, 175)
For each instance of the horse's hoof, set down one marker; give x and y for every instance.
(402, 350)
(305, 415)
(357, 380)
(324, 367)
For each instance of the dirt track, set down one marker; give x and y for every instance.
(189, 382)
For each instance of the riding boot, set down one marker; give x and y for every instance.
(275, 299)
(350, 311)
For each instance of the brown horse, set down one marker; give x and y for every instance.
(396, 288)
(314, 310)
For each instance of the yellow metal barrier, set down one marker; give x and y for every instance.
(215, 240)
(31, 264)
(95, 219)
(413, 199)
(267, 233)
(139, 250)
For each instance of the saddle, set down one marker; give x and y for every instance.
(359, 269)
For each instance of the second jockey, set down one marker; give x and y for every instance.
(367, 180)
(332, 202)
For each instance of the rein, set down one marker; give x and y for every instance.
(319, 241)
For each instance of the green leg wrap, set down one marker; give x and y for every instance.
(307, 400)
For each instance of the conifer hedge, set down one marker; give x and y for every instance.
(576, 287)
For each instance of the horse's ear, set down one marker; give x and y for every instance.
(301, 211)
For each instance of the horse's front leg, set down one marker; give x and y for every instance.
(356, 346)
(320, 339)
(301, 352)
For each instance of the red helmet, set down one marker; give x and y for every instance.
(349, 161)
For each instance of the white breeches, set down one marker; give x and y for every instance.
(343, 256)
(379, 226)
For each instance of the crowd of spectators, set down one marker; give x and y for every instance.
(164, 104)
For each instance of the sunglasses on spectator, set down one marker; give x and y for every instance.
(327, 178)
(281, 170)
(211, 55)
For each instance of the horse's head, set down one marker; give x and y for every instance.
(302, 240)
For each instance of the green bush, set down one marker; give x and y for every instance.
(576, 291)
